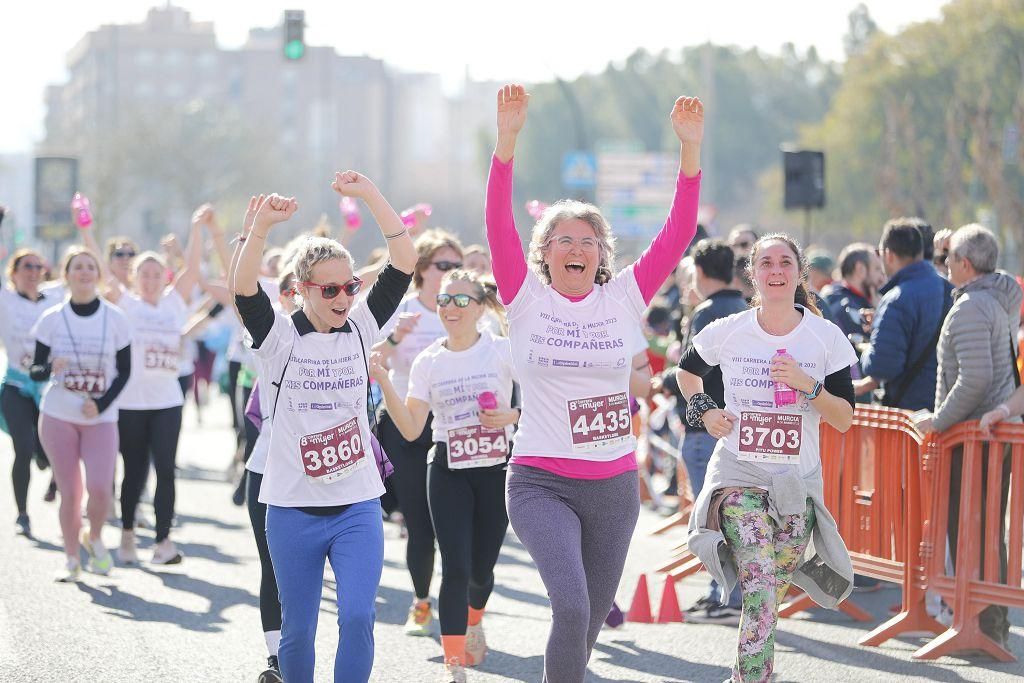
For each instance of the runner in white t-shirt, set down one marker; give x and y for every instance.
(149, 423)
(785, 368)
(465, 380)
(22, 302)
(414, 327)
(256, 464)
(83, 347)
(575, 326)
(321, 484)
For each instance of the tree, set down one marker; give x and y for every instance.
(860, 29)
(922, 121)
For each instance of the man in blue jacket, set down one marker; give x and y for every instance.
(901, 354)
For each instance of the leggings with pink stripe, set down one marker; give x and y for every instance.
(66, 446)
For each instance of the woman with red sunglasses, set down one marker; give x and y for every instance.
(321, 485)
(415, 327)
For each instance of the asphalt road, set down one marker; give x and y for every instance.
(199, 621)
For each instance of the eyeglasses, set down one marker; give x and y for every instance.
(461, 300)
(119, 253)
(351, 288)
(445, 266)
(32, 266)
(565, 243)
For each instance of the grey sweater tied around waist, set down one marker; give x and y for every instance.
(825, 573)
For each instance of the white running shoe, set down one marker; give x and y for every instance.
(72, 572)
(476, 644)
(100, 559)
(126, 552)
(453, 671)
(166, 552)
(421, 616)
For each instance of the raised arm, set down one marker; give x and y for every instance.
(274, 210)
(401, 251)
(186, 279)
(220, 243)
(409, 416)
(508, 259)
(110, 289)
(664, 253)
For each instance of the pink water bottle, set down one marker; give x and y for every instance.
(409, 215)
(785, 395)
(350, 212)
(81, 211)
(487, 400)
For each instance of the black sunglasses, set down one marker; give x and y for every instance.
(351, 288)
(461, 300)
(122, 254)
(445, 266)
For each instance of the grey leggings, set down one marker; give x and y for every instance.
(578, 533)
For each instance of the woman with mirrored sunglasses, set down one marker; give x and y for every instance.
(21, 304)
(575, 326)
(465, 381)
(414, 327)
(321, 484)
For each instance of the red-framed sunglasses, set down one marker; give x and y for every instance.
(351, 288)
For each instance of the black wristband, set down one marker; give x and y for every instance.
(696, 406)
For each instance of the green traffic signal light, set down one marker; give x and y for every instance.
(294, 49)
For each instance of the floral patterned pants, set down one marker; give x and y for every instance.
(766, 557)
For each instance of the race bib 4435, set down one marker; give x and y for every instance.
(599, 422)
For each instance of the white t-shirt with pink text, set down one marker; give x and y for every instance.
(573, 360)
(771, 436)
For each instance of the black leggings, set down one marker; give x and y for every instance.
(249, 435)
(185, 382)
(409, 484)
(270, 601)
(468, 510)
(22, 416)
(145, 434)
(234, 367)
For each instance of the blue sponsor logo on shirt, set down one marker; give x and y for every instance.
(322, 406)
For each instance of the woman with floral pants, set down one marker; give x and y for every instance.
(786, 369)
(766, 555)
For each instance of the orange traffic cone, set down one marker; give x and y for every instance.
(640, 609)
(668, 611)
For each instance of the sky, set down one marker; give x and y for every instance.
(523, 40)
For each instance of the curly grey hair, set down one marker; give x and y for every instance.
(567, 209)
(314, 250)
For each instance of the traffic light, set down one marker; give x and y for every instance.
(294, 25)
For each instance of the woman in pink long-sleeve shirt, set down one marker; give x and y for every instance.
(578, 351)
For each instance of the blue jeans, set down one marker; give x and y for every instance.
(696, 454)
(353, 542)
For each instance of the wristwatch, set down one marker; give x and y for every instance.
(813, 393)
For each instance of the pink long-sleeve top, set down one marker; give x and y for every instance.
(650, 270)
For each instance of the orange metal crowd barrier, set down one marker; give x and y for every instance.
(889, 490)
(969, 590)
(872, 488)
